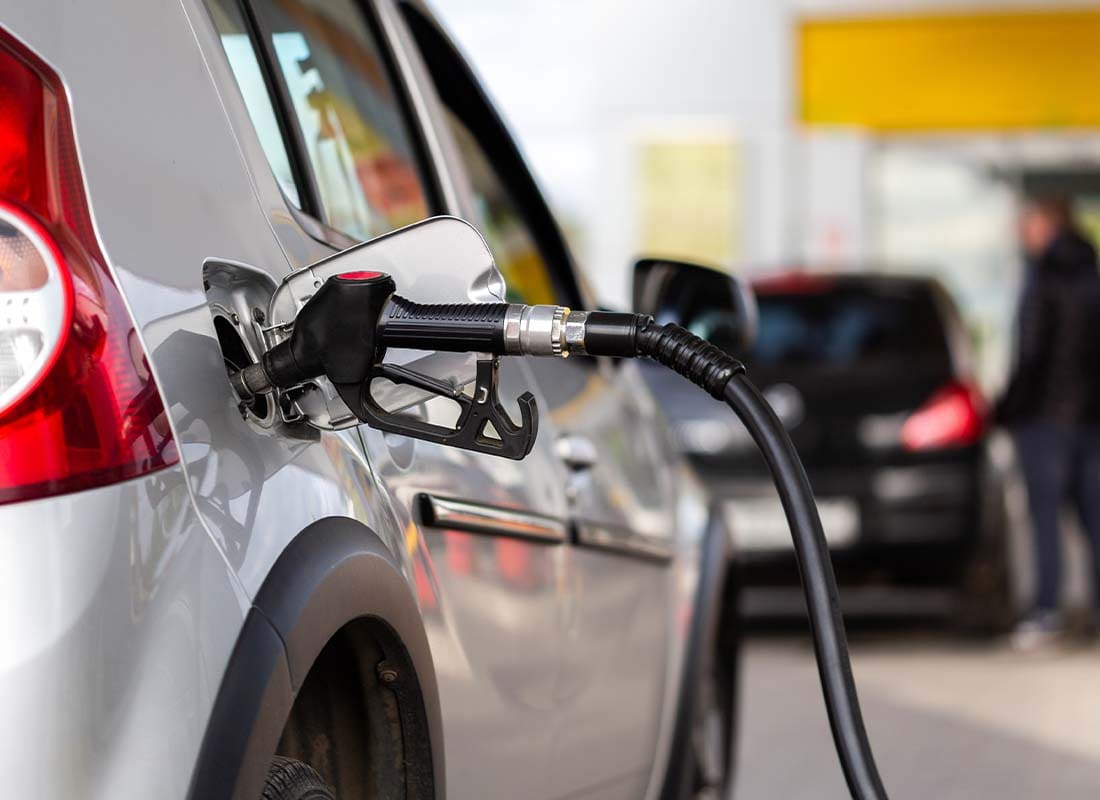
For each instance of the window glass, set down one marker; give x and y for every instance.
(246, 68)
(844, 326)
(348, 110)
(501, 222)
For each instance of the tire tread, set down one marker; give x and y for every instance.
(290, 779)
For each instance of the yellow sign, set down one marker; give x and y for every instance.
(980, 71)
(689, 198)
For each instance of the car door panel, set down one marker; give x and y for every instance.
(492, 603)
(614, 671)
(609, 697)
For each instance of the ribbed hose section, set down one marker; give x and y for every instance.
(682, 351)
(723, 377)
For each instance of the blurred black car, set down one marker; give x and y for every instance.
(870, 374)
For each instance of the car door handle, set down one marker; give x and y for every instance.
(460, 515)
(576, 452)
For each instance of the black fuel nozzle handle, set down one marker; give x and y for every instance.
(344, 329)
(343, 332)
(455, 328)
(336, 333)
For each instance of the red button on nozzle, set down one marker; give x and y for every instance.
(360, 275)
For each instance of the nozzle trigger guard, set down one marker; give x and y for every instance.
(478, 411)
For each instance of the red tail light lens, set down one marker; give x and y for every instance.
(78, 404)
(955, 416)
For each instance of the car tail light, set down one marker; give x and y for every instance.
(78, 404)
(955, 416)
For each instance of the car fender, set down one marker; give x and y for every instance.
(334, 572)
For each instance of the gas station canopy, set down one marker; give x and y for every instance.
(952, 72)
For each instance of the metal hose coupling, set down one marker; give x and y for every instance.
(561, 331)
(536, 330)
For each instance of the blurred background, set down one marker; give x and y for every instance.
(805, 145)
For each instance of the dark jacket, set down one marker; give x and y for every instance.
(1056, 377)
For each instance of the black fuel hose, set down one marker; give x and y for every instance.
(818, 584)
(724, 378)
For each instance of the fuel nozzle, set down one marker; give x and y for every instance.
(336, 335)
(344, 330)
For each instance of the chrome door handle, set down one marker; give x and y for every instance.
(576, 452)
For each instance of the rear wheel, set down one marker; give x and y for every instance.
(986, 598)
(289, 779)
(987, 601)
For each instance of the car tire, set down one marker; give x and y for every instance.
(987, 599)
(288, 779)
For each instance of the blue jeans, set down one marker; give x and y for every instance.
(1060, 463)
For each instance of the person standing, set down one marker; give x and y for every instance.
(1052, 401)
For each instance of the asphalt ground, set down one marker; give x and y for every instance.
(950, 717)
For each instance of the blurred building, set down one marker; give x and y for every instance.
(896, 134)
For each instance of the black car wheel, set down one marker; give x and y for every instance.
(987, 601)
(288, 779)
(986, 598)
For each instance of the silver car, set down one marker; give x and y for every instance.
(205, 598)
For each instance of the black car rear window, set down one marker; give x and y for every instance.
(848, 325)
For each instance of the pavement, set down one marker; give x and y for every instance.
(950, 718)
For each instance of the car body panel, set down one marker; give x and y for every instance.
(619, 623)
(119, 616)
(558, 666)
(618, 608)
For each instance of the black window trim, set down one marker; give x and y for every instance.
(311, 217)
(304, 179)
(462, 93)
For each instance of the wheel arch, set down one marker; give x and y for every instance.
(715, 620)
(335, 574)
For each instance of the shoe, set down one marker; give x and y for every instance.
(1038, 630)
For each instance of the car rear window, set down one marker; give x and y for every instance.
(849, 325)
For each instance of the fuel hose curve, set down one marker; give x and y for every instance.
(724, 377)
